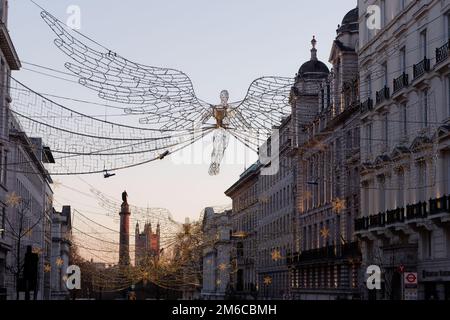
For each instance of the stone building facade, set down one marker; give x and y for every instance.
(217, 264)
(264, 223)
(327, 110)
(9, 61)
(147, 243)
(61, 246)
(30, 219)
(276, 220)
(245, 211)
(405, 154)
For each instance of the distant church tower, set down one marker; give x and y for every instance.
(124, 250)
(148, 244)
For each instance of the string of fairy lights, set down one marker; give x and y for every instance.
(164, 100)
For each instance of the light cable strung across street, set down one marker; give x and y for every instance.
(88, 145)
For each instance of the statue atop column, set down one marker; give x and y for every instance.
(125, 197)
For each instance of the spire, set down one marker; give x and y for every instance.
(314, 50)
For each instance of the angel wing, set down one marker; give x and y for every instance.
(265, 106)
(165, 96)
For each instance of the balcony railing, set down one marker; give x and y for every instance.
(377, 221)
(442, 53)
(421, 68)
(362, 224)
(367, 106)
(421, 210)
(401, 82)
(331, 252)
(395, 216)
(439, 205)
(416, 211)
(383, 95)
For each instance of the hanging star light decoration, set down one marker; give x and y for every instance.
(325, 233)
(222, 267)
(339, 205)
(47, 268)
(59, 262)
(276, 255)
(13, 200)
(267, 280)
(165, 98)
(219, 282)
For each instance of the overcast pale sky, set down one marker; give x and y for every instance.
(219, 44)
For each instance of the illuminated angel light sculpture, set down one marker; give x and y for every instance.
(166, 99)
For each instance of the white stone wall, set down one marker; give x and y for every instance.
(405, 161)
(216, 254)
(276, 224)
(30, 186)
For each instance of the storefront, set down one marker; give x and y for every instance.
(434, 283)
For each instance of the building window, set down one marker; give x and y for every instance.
(322, 99)
(402, 5)
(384, 66)
(356, 138)
(2, 222)
(383, 13)
(369, 139)
(422, 173)
(423, 44)
(369, 86)
(382, 194)
(425, 107)
(446, 164)
(400, 190)
(448, 26)
(427, 244)
(2, 167)
(404, 120)
(385, 131)
(448, 95)
(403, 59)
(328, 95)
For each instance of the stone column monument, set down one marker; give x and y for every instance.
(124, 250)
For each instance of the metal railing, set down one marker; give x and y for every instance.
(442, 53)
(421, 68)
(401, 82)
(367, 106)
(383, 95)
(420, 210)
